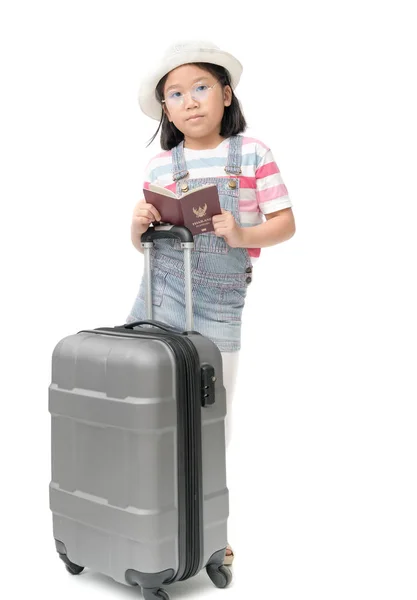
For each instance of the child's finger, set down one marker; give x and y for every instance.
(145, 213)
(144, 220)
(220, 231)
(155, 212)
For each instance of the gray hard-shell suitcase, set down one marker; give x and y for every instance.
(138, 489)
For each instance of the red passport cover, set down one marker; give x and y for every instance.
(194, 210)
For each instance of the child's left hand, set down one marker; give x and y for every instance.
(226, 227)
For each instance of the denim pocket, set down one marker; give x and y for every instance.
(209, 242)
(232, 303)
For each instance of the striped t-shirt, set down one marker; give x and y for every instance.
(262, 190)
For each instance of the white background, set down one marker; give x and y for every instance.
(322, 473)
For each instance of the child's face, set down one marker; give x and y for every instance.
(210, 108)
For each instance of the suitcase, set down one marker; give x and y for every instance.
(138, 489)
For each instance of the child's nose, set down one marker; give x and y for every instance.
(189, 100)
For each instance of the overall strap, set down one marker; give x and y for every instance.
(179, 168)
(234, 157)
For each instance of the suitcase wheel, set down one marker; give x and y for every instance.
(70, 566)
(74, 569)
(220, 575)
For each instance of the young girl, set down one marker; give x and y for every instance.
(191, 92)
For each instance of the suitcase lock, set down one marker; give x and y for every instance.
(208, 379)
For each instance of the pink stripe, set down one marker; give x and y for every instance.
(172, 187)
(248, 140)
(269, 169)
(254, 252)
(248, 205)
(277, 191)
(247, 182)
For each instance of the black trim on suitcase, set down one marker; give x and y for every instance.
(190, 480)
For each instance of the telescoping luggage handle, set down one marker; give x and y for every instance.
(185, 236)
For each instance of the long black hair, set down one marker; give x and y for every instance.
(233, 121)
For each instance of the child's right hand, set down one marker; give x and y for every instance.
(143, 215)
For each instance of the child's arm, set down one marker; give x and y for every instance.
(273, 201)
(279, 227)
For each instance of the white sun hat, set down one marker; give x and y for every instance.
(181, 53)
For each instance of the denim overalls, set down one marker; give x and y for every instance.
(220, 274)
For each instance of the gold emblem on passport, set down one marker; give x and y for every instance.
(200, 212)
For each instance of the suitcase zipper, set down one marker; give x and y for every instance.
(189, 450)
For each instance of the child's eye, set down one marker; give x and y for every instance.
(201, 88)
(173, 95)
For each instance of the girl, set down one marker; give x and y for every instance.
(191, 93)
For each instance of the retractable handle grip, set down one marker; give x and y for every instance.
(185, 236)
(178, 232)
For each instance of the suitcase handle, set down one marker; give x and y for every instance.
(185, 236)
(158, 324)
(178, 232)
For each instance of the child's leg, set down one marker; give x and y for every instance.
(230, 368)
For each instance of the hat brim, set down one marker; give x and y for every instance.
(147, 99)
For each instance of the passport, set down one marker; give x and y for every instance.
(194, 209)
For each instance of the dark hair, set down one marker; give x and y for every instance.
(233, 121)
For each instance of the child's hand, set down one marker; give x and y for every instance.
(226, 227)
(143, 215)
